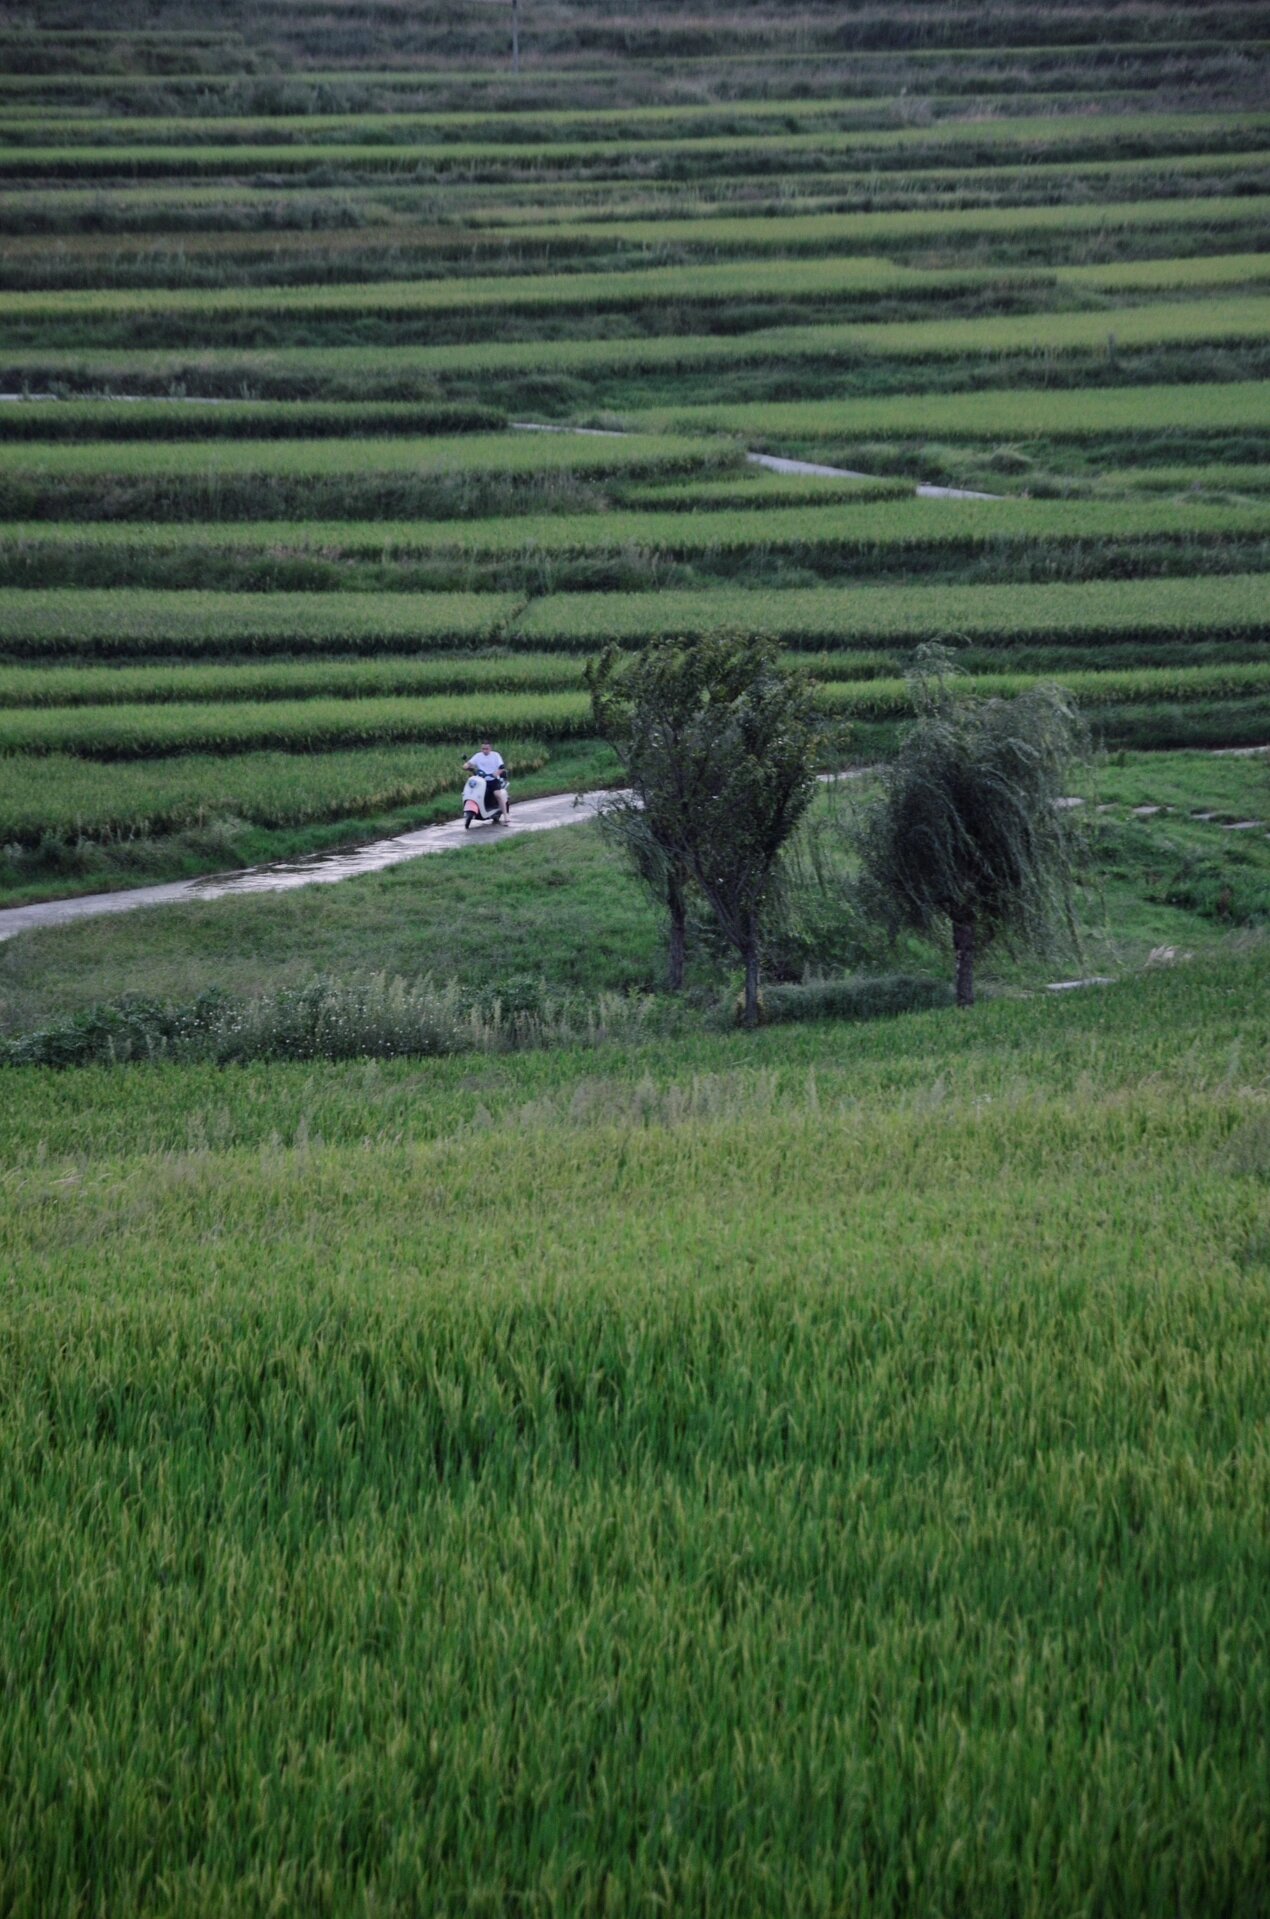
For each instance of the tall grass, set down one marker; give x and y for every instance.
(374, 1017)
(707, 1488)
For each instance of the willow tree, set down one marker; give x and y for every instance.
(719, 745)
(658, 864)
(969, 829)
(645, 708)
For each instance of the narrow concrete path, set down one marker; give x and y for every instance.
(322, 869)
(774, 462)
(124, 399)
(778, 463)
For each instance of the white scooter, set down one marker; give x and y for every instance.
(476, 801)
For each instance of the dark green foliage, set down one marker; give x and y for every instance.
(640, 711)
(628, 826)
(854, 999)
(720, 746)
(969, 826)
(133, 1028)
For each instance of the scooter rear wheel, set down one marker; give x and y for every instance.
(467, 822)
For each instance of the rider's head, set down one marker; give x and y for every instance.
(487, 746)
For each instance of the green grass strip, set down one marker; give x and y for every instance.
(858, 528)
(520, 124)
(190, 625)
(764, 233)
(476, 454)
(1183, 322)
(296, 726)
(888, 697)
(987, 415)
(67, 620)
(1226, 603)
(726, 280)
(1038, 132)
(148, 730)
(114, 685)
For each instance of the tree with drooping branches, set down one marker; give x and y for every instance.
(969, 829)
(719, 745)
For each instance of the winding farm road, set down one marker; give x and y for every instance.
(322, 869)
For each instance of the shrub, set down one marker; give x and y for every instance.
(854, 999)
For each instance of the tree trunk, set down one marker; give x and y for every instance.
(515, 36)
(751, 971)
(963, 932)
(678, 909)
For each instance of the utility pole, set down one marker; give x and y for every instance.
(515, 36)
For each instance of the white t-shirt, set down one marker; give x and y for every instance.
(490, 764)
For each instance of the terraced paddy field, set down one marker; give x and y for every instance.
(481, 1435)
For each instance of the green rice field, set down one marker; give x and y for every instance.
(695, 1455)
(1164, 337)
(482, 1435)
(670, 156)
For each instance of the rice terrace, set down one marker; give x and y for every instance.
(704, 1351)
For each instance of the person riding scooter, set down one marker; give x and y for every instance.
(489, 765)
